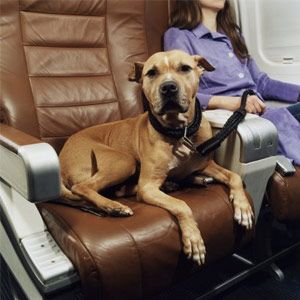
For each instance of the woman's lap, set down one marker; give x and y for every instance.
(295, 111)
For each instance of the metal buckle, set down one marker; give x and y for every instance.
(187, 142)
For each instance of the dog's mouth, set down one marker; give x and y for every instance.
(171, 113)
(171, 106)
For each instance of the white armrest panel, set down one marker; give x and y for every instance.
(33, 170)
(249, 151)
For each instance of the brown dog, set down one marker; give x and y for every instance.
(106, 155)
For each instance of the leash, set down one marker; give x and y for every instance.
(231, 124)
(213, 143)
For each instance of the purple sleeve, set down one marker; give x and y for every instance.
(175, 38)
(203, 99)
(273, 89)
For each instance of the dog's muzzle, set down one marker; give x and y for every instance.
(170, 102)
(168, 89)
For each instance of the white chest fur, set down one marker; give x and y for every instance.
(184, 162)
(181, 154)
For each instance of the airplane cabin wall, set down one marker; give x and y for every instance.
(272, 32)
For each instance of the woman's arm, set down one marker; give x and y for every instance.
(175, 38)
(254, 105)
(273, 89)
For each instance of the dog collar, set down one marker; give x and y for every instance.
(178, 133)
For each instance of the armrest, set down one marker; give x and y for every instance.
(29, 170)
(258, 137)
(277, 103)
(251, 152)
(29, 165)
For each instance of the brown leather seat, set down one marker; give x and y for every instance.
(64, 67)
(131, 258)
(284, 196)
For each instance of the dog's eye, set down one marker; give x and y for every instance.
(151, 73)
(185, 68)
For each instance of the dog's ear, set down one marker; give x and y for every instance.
(135, 73)
(203, 63)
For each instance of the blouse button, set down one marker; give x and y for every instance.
(241, 75)
(230, 54)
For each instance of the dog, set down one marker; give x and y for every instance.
(106, 155)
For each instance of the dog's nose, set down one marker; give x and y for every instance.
(168, 88)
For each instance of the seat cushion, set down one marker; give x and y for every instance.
(138, 256)
(284, 196)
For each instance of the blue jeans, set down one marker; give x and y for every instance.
(295, 111)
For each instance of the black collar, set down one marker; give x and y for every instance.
(178, 132)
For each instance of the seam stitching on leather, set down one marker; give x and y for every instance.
(64, 46)
(47, 13)
(226, 201)
(26, 66)
(145, 29)
(141, 93)
(109, 61)
(75, 235)
(54, 137)
(70, 75)
(58, 14)
(283, 195)
(138, 254)
(79, 104)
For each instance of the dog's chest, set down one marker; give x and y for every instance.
(183, 161)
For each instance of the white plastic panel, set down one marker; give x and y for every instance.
(23, 216)
(251, 139)
(10, 256)
(13, 170)
(47, 261)
(33, 170)
(46, 256)
(272, 32)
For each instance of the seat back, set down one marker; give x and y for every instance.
(64, 64)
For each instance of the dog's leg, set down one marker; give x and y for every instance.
(243, 213)
(113, 168)
(193, 245)
(88, 190)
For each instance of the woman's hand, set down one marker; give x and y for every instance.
(254, 105)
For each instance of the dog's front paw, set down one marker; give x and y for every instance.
(119, 210)
(193, 245)
(243, 212)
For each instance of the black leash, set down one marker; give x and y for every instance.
(231, 124)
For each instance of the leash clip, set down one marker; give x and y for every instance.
(187, 142)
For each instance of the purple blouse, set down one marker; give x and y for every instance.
(231, 77)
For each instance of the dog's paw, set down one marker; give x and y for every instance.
(193, 245)
(243, 212)
(119, 210)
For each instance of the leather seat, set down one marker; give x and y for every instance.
(134, 257)
(64, 67)
(283, 194)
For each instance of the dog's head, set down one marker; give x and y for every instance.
(170, 82)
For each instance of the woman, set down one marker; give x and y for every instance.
(207, 27)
